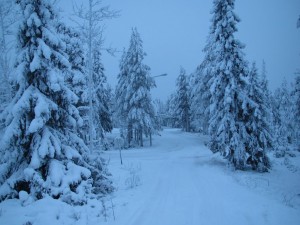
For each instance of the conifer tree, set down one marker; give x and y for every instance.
(296, 111)
(264, 86)
(201, 92)
(172, 118)
(92, 28)
(183, 102)
(257, 123)
(122, 95)
(76, 78)
(101, 95)
(227, 84)
(283, 116)
(141, 111)
(134, 91)
(41, 151)
(200, 95)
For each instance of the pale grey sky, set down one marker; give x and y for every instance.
(174, 33)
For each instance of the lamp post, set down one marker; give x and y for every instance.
(161, 75)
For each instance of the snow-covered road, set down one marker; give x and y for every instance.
(181, 182)
(178, 181)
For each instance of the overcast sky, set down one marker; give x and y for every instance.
(174, 33)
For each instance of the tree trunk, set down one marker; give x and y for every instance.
(141, 137)
(129, 134)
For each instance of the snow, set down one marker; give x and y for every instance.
(176, 181)
(36, 63)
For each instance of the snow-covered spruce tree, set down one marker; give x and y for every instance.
(101, 95)
(160, 112)
(76, 78)
(171, 118)
(122, 97)
(227, 86)
(296, 103)
(257, 123)
(199, 100)
(282, 111)
(134, 90)
(201, 93)
(183, 101)
(41, 152)
(296, 111)
(141, 112)
(264, 85)
(267, 96)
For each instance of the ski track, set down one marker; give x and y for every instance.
(184, 184)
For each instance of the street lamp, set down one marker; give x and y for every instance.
(161, 75)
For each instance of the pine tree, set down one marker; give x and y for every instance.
(228, 98)
(41, 152)
(183, 102)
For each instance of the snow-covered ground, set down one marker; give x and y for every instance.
(177, 181)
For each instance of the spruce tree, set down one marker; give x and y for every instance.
(141, 111)
(257, 123)
(264, 86)
(76, 78)
(122, 95)
(183, 101)
(172, 118)
(283, 116)
(227, 86)
(41, 151)
(201, 92)
(101, 95)
(200, 96)
(296, 111)
(133, 92)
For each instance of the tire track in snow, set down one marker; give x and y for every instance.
(184, 184)
(173, 197)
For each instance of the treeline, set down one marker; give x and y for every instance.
(228, 99)
(56, 106)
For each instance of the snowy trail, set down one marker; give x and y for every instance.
(179, 182)
(183, 183)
